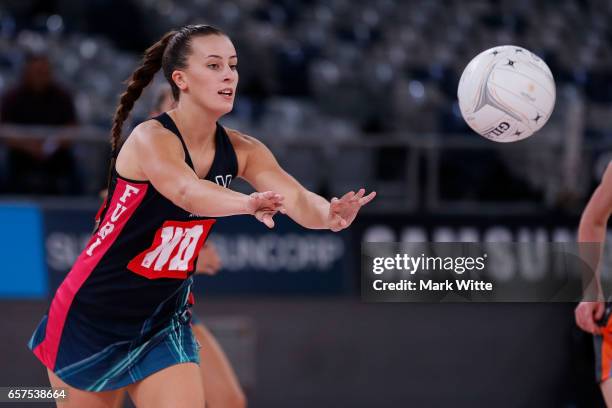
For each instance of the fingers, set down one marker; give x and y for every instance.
(344, 210)
(347, 198)
(367, 199)
(588, 321)
(275, 200)
(280, 208)
(586, 316)
(337, 223)
(596, 316)
(266, 205)
(269, 196)
(581, 321)
(352, 198)
(267, 220)
(589, 324)
(266, 195)
(265, 217)
(359, 197)
(335, 206)
(348, 195)
(599, 310)
(338, 204)
(593, 327)
(267, 201)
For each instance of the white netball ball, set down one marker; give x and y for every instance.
(506, 93)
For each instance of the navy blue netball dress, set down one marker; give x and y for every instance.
(123, 311)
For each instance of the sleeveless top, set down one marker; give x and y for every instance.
(134, 273)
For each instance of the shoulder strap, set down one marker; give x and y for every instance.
(169, 124)
(225, 146)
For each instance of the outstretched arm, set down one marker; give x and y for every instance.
(155, 154)
(306, 208)
(597, 211)
(593, 229)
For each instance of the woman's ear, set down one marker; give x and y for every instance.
(179, 79)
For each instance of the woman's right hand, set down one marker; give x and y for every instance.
(265, 205)
(588, 314)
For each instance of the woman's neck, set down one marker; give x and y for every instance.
(193, 123)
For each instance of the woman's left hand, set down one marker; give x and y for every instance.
(343, 211)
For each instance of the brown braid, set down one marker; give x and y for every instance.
(151, 63)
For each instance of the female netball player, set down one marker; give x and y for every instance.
(594, 317)
(120, 320)
(219, 380)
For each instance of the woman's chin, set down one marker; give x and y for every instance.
(221, 110)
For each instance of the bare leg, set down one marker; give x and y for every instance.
(179, 385)
(120, 400)
(79, 398)
(606, 390)
(222, 387)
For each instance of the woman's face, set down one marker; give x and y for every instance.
(211, 75)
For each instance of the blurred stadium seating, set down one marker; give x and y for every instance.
(375, 87)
